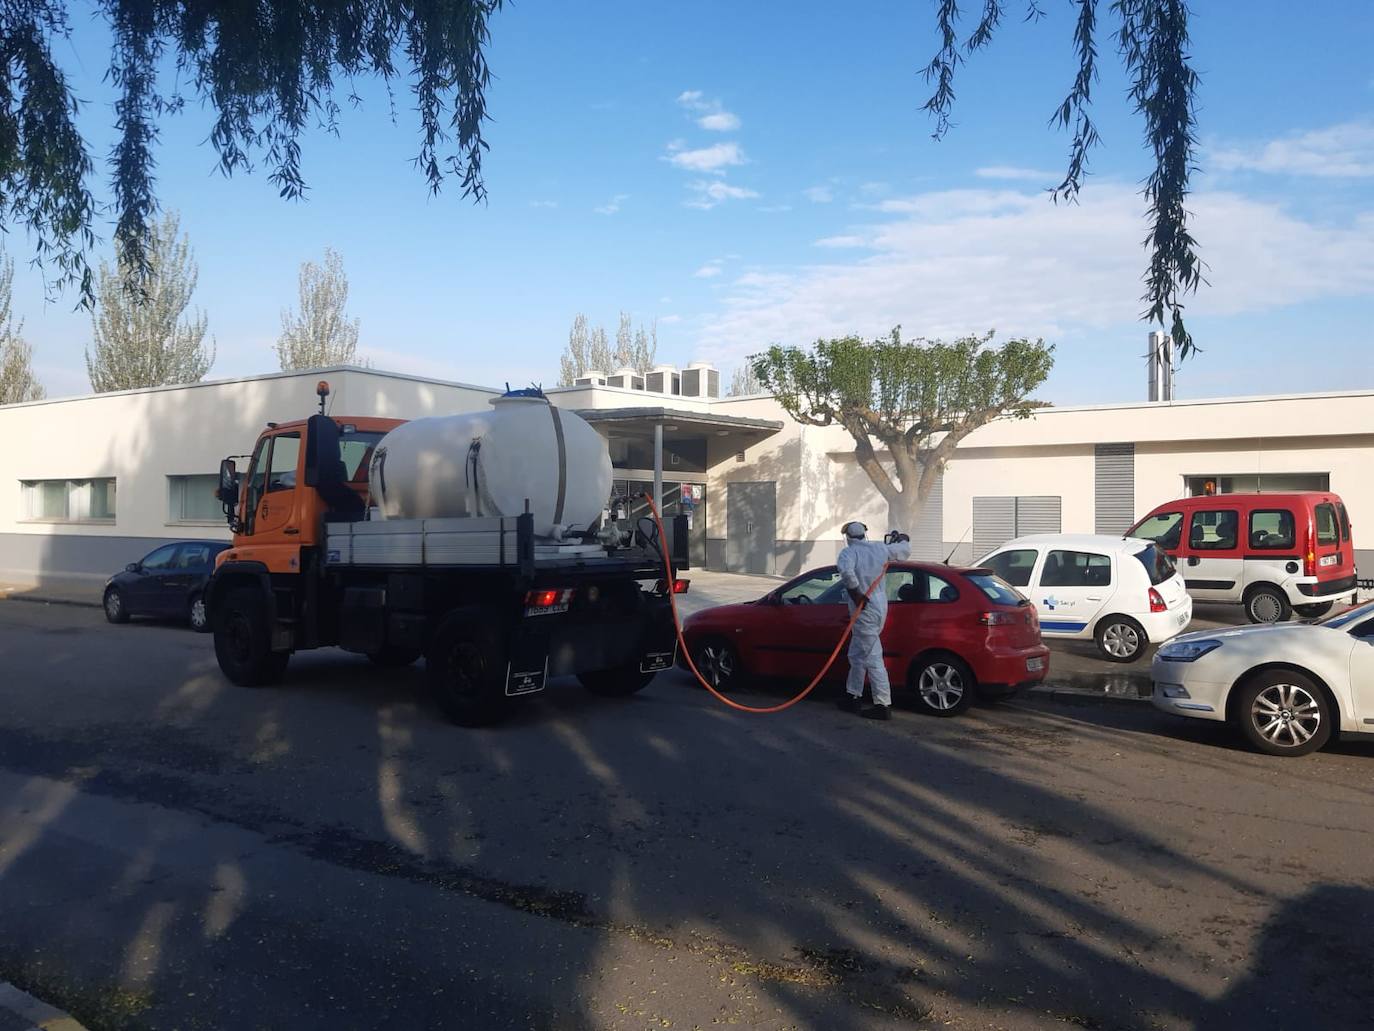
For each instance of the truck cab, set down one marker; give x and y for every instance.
(496, 611)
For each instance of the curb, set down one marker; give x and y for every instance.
(1072, 696)
(39, 1014)
(10, 594)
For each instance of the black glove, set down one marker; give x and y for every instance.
(897, 537)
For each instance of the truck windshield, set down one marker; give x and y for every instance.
(355, 449)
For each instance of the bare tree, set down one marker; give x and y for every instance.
(599, 353)
(17, 382)
(321, 334)
(141, 339)
(589, 349)
(624, 343)
(645, 352)
(745, 380)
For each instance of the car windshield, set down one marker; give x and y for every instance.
(997, 589)
(1157, 564)
(1343, 619)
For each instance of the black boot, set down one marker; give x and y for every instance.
(850, 703)
(877, 712)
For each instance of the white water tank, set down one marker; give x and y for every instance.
(489, 463)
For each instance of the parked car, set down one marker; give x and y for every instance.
(951, 634)
(1286, 688)
(1273, 553)
(168, 582)
(1122, 593)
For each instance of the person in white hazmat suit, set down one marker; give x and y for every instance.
(860, 562)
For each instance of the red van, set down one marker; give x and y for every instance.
(1276, 554)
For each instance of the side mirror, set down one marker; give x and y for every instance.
(228, 492)
(132, 567)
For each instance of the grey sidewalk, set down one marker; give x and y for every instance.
(20, 1011)
(53, 594)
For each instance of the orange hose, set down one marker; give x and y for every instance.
(687, 653)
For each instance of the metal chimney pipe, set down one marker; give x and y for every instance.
(1152, 366)
(1166, 368)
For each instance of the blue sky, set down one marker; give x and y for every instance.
(746, 173)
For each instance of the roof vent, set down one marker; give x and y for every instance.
(701, 379)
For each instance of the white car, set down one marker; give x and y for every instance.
(1122, 592)
(1287, 687)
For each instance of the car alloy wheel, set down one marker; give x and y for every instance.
(112, 605)
(941, 686)
(716, 663)
(1121, 641)
(198, 613)
(1286, 715)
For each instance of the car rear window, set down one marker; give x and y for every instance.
(997, 589)
(1327, 531)
(1157, 564)
(1345, 520)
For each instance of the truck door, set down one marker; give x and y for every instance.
(272, 483)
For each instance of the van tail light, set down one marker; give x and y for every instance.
(1309, 562)
(997, 618)
(1157, 602)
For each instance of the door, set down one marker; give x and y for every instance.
(145, 594)
(803, 627)
(1362, 673)
(274, 484)
(1212, 562)
(751, 527)
(189, 570)
(1072, 589)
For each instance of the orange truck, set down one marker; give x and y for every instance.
(398, 540)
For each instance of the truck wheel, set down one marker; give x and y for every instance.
(392, 657)
(1313, 611)
(1265, 604)
(466, 672)
(115, 611)
(616, 683)
(243, 640)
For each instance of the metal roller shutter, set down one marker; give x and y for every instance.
(928, 535)
(1114, 494)
(1038, 515)
(994, 523)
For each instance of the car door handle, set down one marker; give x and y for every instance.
(1094, 599)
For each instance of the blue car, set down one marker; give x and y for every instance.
(168, 583)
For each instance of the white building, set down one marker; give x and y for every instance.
(88, 484)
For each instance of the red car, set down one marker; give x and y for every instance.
(951, 633)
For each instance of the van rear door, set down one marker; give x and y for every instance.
(1331, 544)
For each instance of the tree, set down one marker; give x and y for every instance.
(744, 380)
(141, 339)
(916, 399)
(266, 71)
(17, 382)
(589, 349)
(321, 335)
(1152, 41)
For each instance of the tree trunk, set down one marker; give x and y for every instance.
(903, 513)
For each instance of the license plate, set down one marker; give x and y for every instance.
(1035, 665)
(1181, 619)
(656, 662)
(1328, 560)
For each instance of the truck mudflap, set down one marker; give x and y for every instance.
(526, 678)
(658, 661)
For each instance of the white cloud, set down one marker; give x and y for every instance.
(708, 271)
(842, 241)
(819, 194)
(543, 203)
(612, 205)
(1339, 151)
(714, 117)
(709, 193)
(712, 159)
(775, 207)
(668, 320)
(719, 121)
(958, 261)
(872, 189)
(1012, 172)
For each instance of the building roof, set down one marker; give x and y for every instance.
(650, 414)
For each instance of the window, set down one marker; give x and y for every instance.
(286, 449)
(355, 450)
(1164, 528)
(1272, 530)
(1076, 569)
(1214, 530)
(814, 588)
(896, 581)
(995, 589)
(69, 501)
(1013, 566)
(192, 499)
(1327, 530)
(1345, 521)
(1157, 564)
(160, 560)
(938, 589)
(193, 556)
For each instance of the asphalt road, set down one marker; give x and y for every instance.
(176, 852)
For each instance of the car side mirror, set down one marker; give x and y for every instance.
(132, 567)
